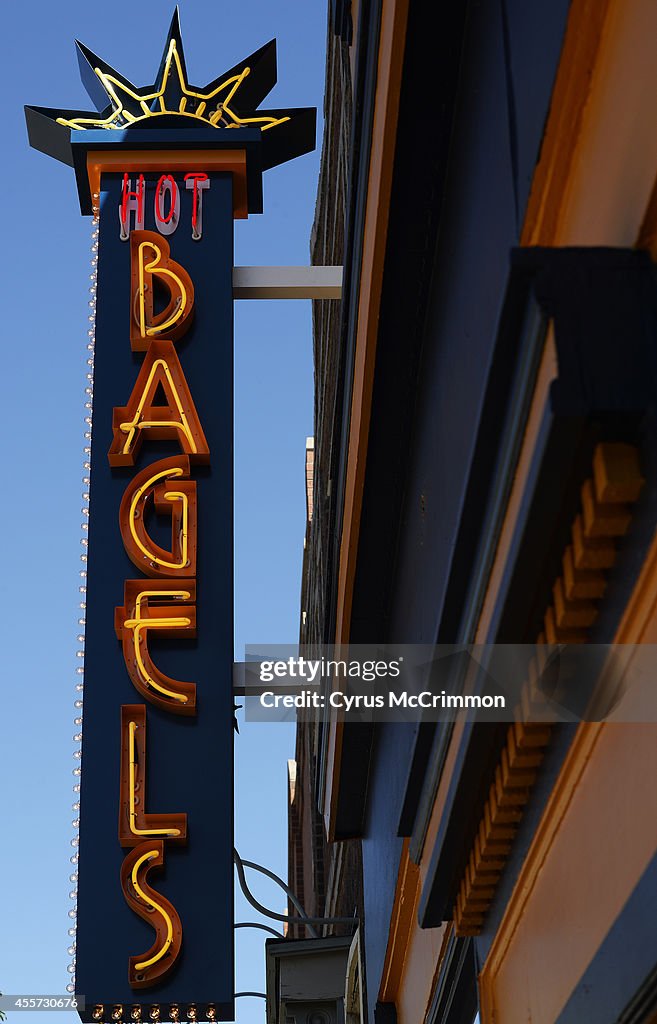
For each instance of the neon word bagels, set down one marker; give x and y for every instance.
(162, 602)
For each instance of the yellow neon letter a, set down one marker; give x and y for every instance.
(141, 419)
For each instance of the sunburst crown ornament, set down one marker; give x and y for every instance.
(170, 96)
(227, 104)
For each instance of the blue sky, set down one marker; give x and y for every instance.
(45, 270)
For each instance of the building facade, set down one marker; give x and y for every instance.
(483, 471)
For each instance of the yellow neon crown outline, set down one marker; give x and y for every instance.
(121, 118)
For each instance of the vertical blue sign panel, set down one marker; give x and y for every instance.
(189, 760)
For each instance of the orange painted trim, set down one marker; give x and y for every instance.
(402, 921)
(637, 626)
(386, 112)
(557, 807)
(414, 956)
(642, 606)
(616, 477)
(230, 161)
(514, 779)
(572, 87)
(595, 839)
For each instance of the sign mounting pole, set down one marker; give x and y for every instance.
(167, 168)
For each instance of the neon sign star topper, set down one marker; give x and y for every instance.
(229, 103)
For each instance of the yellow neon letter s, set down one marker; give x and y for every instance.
(150, 260)
(154, 965)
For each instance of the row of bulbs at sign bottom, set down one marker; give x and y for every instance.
(120, 1013)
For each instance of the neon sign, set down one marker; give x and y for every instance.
(158, 660)
(174, 164)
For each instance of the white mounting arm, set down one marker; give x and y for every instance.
(287, 282)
